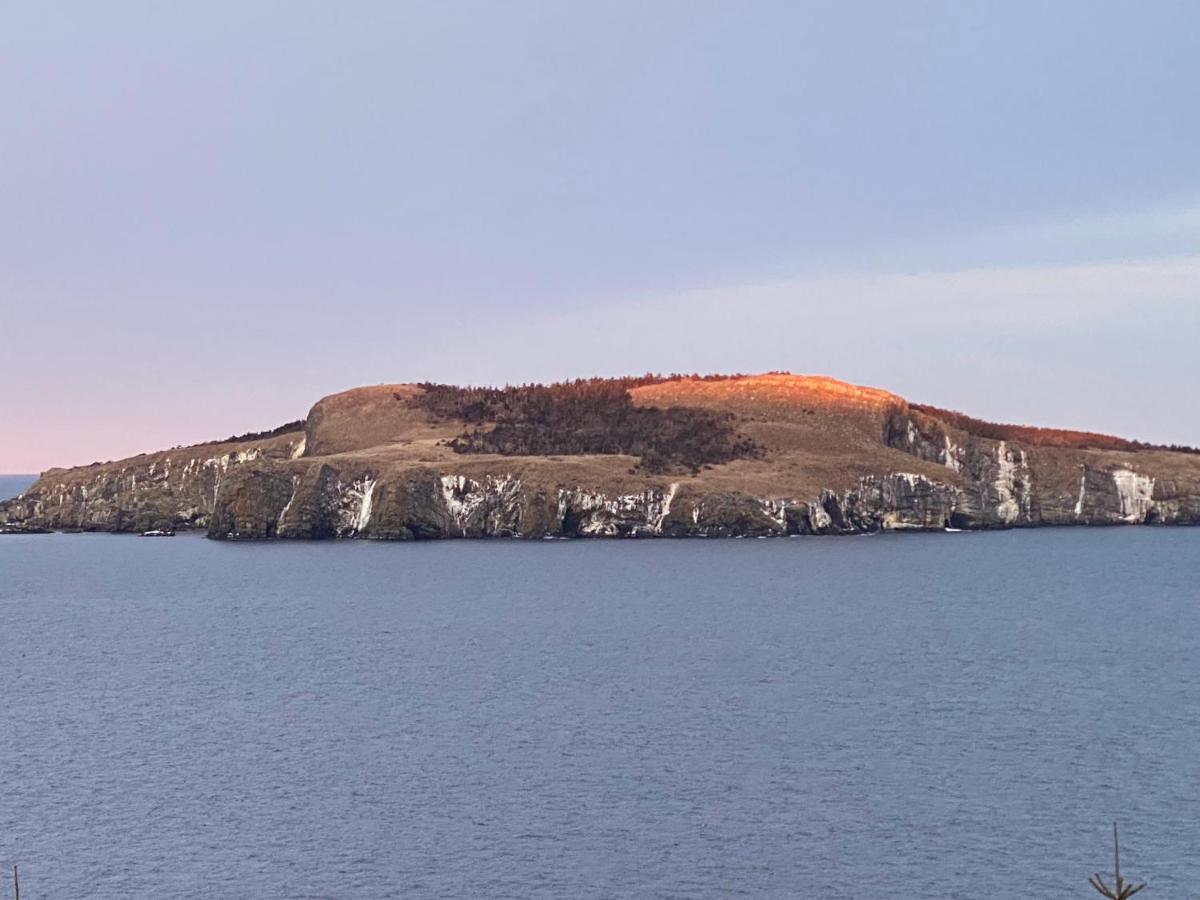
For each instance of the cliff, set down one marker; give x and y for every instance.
(745, 455)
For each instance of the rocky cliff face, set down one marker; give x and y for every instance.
(832, 459)
(1010, 484)
(174, 488)
(258, 503)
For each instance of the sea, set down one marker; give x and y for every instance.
(929, 715)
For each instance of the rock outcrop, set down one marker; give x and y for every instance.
(828, 458)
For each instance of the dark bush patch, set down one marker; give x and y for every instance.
(587, 416)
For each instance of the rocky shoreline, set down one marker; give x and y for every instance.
(18, 528)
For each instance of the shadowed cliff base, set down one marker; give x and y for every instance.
(740, 455)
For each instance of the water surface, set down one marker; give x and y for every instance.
(934, 715)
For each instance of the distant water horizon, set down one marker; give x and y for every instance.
(12, 484)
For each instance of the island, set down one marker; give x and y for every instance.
(652, 456)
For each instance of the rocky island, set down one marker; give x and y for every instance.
(676, 456)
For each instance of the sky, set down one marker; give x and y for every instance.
(215, 213)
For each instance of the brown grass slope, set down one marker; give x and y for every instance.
(786, 435)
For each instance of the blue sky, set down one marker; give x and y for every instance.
(215, 213)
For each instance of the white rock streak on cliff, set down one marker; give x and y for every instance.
(292, 499)
(1136, 494)
(354, 505)
(1011, 484)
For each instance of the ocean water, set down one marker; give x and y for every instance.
(942, 716)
